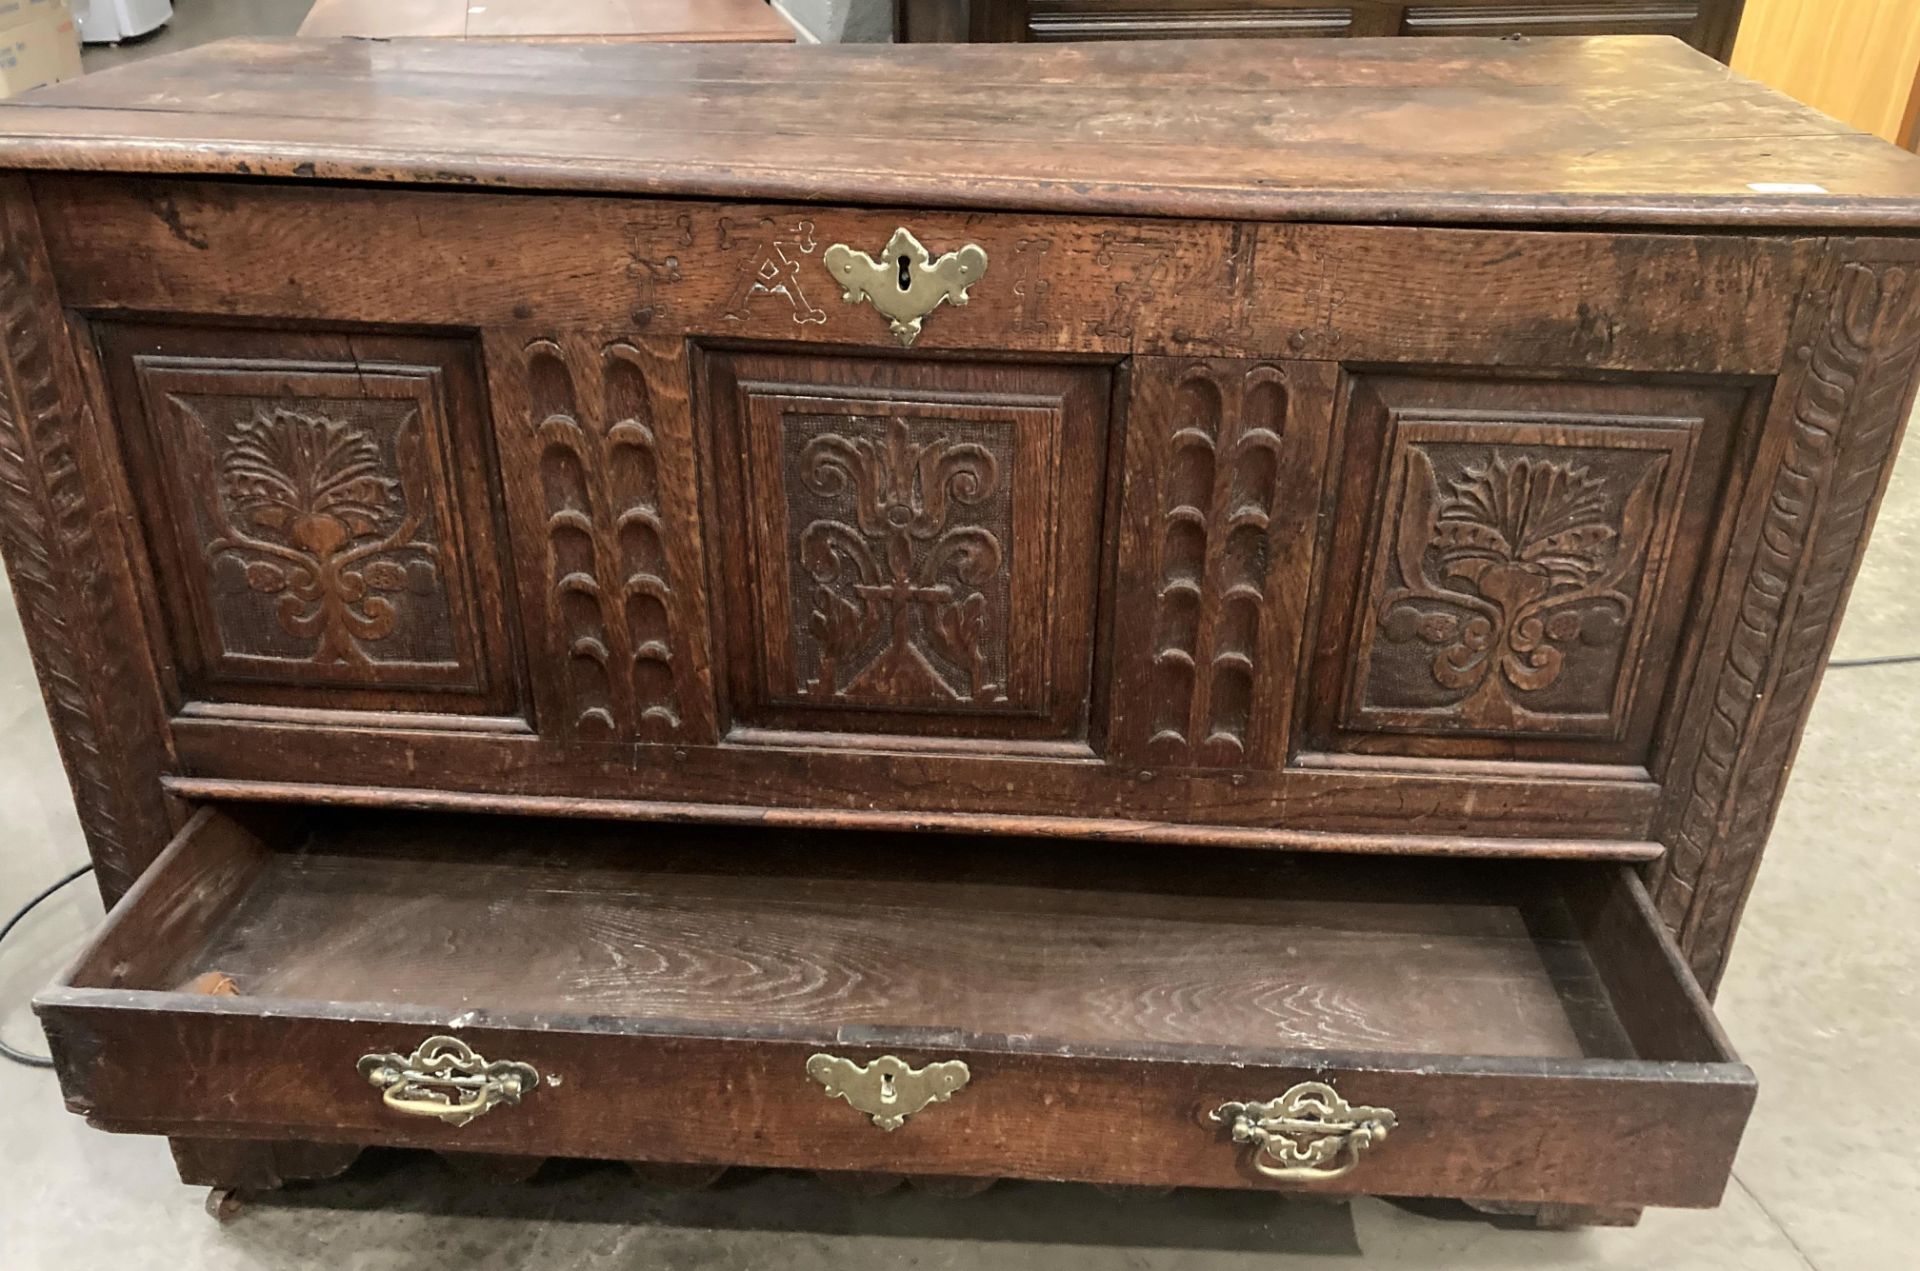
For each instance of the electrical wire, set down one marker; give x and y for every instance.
(1892, 659)
(6, 1051)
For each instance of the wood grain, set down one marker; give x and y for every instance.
(876, 930)
(408, 915)
(1442, 131)
(536, 266)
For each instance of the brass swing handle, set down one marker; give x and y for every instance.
(1308, 1135)
(445, 1079)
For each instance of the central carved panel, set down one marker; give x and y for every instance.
(908, 547)
(900, 569)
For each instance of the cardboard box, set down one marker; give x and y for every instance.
(38, 45)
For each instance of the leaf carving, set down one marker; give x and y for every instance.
(1497, 569)
(314, 502)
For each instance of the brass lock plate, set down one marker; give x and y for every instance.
(906, 283)
(888, 1090)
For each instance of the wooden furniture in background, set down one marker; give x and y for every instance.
(1857, 60)
(698, 21)
(1708, 25)
(591, 689)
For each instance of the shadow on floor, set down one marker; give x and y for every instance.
(795, 1203)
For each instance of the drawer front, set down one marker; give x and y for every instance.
(1460, 1129)
(1430, 1028)
(1080, 525)
(1567, 17)
(1050, 20)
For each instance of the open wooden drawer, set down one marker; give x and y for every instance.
(1525, 1031)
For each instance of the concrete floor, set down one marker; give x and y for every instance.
(1821, 999)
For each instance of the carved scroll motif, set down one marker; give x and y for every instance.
(304, 503)
(1506, 570)
(907, 596)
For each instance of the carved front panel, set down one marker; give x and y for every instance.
(899, 574)
(917, 543)
(1523, 575)
(316, 546)
(1512, 579)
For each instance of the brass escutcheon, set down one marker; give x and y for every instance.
(887, 1089)
(906, 283)
(1309, 1134)
(446, 1080)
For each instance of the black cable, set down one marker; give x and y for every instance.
(1892, 659)
(6, 1051)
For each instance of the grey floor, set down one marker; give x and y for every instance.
(1821, 999)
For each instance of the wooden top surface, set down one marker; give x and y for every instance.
(701, 20)
(1638, 130)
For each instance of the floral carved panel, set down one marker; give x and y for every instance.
(315, 547)
(1513, 576)
(318, 531)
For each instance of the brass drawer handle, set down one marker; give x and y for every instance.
(887, 1089)
(1310, 1134)
(446, 1080)
(906, 283)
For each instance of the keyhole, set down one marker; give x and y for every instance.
(906, 280)
(887, 1094)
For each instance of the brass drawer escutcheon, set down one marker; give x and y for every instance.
(907, 283)
(887, 1089)
(1309, 1134)
(446, 1080)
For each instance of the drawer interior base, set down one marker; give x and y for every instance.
(727, 926)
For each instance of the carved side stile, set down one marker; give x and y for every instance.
(593, 446)
(67, 561)
(1840, 416)
(1218, 497)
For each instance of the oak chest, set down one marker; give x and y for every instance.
(1169, 614)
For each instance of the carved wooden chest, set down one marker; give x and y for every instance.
(924, 612)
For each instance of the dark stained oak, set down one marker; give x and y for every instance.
(751, 928)
(1446, 131)
(502, 559)
(671, 996)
